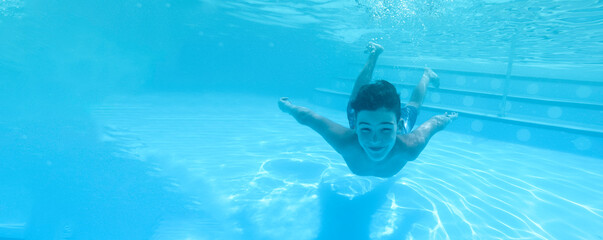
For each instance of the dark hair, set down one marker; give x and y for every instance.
(377, 95)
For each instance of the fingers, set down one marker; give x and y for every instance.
(283, 104)
(451, 114)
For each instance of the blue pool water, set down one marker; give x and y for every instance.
(249, 180)
(158, 119)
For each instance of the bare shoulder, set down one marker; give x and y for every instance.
(408, 141)
(353, 154)
(338, 136)
(348, 143)
(409, 146)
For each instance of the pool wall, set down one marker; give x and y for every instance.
(550, 107)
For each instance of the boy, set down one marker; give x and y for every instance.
(379, 141)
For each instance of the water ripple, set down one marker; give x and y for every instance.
(274, 177)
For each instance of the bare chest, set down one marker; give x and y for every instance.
(360, 164)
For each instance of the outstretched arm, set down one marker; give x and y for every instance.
(374, 50)
(335, 134)
(418, 139)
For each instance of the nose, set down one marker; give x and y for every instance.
(375, 138)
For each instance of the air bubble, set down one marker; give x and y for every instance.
(508, 106)
(555, 112)
(532, 88)
(477, 125)
(495, 84)
(468, 101)
(435, 97)
(582, 143)
(461, 81)
(523, 135)
(584, 91)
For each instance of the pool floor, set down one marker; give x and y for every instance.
(244, 170)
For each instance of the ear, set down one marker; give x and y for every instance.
(400, 124)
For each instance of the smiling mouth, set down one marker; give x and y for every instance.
(375, 148)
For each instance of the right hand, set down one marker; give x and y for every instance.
(285, 105)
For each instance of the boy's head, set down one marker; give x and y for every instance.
(377, 108)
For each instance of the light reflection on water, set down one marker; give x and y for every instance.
(185, 167)
(271, 177)
(543, 32)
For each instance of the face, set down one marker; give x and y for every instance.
(376, 132)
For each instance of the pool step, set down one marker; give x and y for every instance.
(583, 75)
(537, 100)
(531, 123)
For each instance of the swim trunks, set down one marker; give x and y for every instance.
(408, 117)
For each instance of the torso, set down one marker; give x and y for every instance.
(360, 164)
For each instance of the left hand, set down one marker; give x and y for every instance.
(447, 117)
